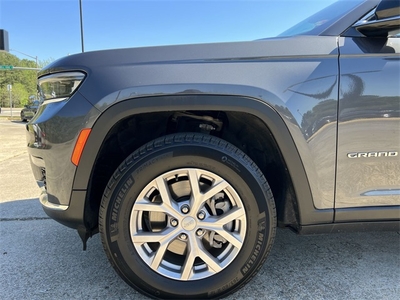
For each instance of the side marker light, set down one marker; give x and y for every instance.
(80, 145)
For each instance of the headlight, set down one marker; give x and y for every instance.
(60, 86)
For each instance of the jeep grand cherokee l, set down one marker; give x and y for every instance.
(187, 158)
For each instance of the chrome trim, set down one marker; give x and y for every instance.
(55, 100)
(45, 202)
(78, 76)
(364, 22)
(388, 192)
(366, 18)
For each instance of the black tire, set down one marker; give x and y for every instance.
(23, 119)
(243, 214)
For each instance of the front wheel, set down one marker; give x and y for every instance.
(187, 216)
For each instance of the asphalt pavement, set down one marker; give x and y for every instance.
(41, 259)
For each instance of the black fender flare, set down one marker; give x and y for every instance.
(307, 213)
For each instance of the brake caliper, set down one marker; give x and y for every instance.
(218, 206)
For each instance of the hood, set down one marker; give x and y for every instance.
(196, 53)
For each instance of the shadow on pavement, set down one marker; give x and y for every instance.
(21, 209)
(41, 259)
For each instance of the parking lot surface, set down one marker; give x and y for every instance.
(41, 259)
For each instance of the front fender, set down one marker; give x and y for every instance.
(121, 105)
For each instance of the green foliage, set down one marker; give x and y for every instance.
(20, 94)
(45, 62)
(23, 81)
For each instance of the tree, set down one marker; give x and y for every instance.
(20, 96)
(23, 81)
(44, 62)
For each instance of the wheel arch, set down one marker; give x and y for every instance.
(295, 209)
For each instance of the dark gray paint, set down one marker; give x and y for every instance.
(369, 121)
(300, 80)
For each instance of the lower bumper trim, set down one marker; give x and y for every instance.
(48, 205)
(71, 215)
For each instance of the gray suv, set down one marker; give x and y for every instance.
(187, 158)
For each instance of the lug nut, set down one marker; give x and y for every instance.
(199, 232)
(185, 209)
(201, 215)
(183, 236)
(174, 222)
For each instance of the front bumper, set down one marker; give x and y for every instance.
(51, 137)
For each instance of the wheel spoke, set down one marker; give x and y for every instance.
(159, 255)
(218, 222)
(168, 205)
(192, 253)
(215, 189)
(198, 198)
(196, 249)
(165, 194)
(210, 260)
(195, 199)
(233, 238)
(187, 267)
(233, 214)
(151, 237)
(146, 205)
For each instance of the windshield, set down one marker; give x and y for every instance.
(320, 21)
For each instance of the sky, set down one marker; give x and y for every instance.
(50, 29)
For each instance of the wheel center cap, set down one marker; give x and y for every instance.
(189, 223)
